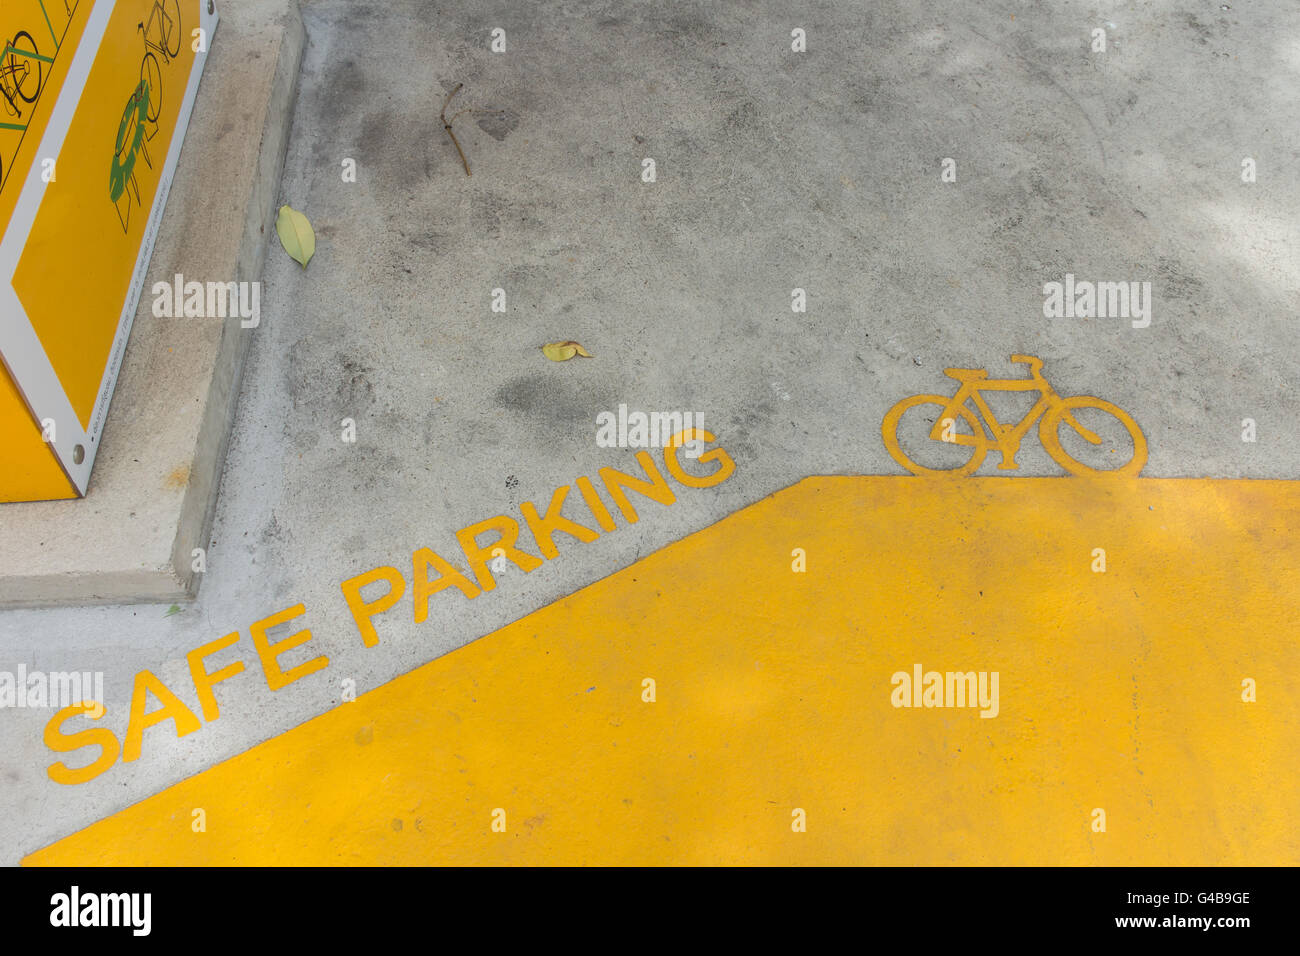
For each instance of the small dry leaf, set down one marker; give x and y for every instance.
(563, 351)
(558, 352)
(296, 234)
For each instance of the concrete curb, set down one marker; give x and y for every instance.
(153, 493)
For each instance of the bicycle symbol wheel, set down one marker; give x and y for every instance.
(976, 440)
(172, 31)
(1049, 433)
(28, 67)
(130, 134)
(151, 76)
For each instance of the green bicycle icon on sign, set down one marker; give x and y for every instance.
(130, 143)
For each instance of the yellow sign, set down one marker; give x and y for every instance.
(95, 97)
(1114, 450)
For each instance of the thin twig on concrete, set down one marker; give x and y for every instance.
(446, 123)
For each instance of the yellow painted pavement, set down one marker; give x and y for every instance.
(1119, 690)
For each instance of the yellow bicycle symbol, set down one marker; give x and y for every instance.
(1054, 411)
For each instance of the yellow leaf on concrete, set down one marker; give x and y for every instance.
(296, 234)
(559, 351)
(563, 351)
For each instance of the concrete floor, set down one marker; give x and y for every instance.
(775, 170)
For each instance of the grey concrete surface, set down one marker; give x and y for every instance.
(153, 492)
(776, 170)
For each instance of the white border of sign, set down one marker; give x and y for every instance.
(20, 347)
